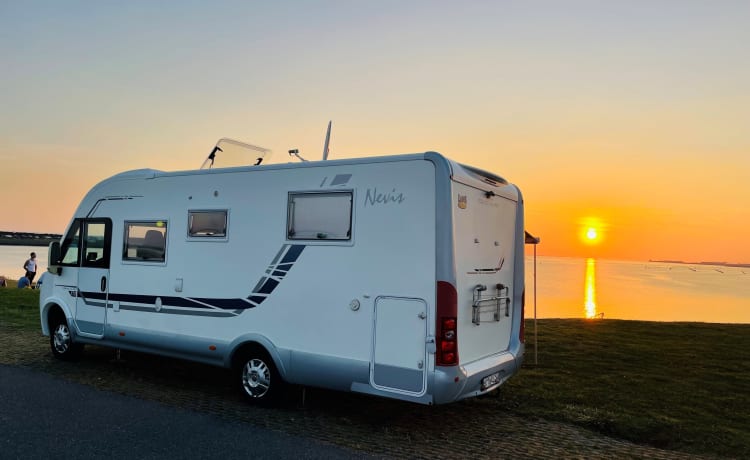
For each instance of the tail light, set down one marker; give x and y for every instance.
(447, 325)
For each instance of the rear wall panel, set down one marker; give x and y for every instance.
(484, 232)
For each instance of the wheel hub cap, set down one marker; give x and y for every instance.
(256, 378)
(62, 339)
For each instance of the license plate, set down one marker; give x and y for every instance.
(490, 380)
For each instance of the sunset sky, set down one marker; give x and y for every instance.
(625, 124)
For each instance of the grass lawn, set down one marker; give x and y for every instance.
(679, 386)
(19, 308)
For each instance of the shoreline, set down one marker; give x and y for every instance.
(27, 238)
(712, 264)
(35, 243)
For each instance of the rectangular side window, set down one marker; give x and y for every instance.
(145, 241)
(207, 224)
(319, 216)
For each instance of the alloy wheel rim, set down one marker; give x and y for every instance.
(62, 338)
(256, 378)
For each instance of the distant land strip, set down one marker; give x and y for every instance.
(27, 239)
(720, 264)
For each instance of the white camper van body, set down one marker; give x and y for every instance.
(398, 276)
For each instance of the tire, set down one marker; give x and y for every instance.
(258, 379)
(61, 340)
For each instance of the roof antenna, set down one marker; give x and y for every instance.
(328, 138)
(295, 152)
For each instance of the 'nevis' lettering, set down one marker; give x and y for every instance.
(374, 197)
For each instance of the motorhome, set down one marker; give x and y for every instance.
(397, 276)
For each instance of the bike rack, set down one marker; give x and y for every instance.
(489, 303)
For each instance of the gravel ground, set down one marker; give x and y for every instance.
(467, 429)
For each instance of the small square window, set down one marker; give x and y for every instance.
(207, 224)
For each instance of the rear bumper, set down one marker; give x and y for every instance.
(458, 382)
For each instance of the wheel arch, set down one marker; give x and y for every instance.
(257, 341)
(53, 306)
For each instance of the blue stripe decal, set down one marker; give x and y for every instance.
(93, 295)
(146, 299)
(256, 299)
(268, 286)
(293, 253)
(263, 289)
(226, 304)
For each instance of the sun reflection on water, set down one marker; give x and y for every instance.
(590, 289)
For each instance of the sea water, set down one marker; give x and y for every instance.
(588, 288)
(12, 259)
(650, 291)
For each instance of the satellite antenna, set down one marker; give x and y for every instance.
(328, 138)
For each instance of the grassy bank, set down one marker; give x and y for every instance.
(19, 308)
(679, 386)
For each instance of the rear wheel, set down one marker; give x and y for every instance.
(259, 381)
(61, 340)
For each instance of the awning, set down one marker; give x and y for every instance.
(531, 239)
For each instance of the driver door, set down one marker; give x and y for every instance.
(93, 277)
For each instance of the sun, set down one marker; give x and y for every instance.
(592, 234)
(591, 230)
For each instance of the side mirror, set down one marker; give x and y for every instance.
(53, 258)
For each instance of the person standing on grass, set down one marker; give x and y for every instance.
(30, 267)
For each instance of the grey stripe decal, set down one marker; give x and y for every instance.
(170, 311)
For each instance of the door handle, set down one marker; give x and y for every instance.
(104, 283)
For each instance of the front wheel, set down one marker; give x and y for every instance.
(61, 340)
(259, 381)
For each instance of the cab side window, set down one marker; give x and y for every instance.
(70, 245)
(96, 243)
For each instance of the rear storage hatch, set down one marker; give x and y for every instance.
(484, 222)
